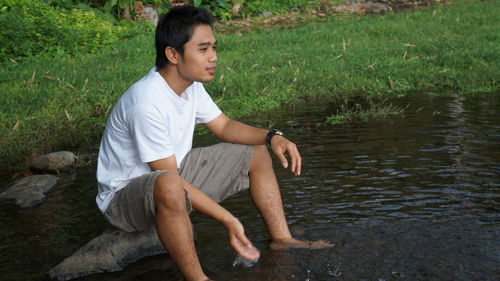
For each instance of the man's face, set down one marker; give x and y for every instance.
(199, 59)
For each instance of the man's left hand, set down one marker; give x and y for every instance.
(280, 146)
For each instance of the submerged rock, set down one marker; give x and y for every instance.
(30, 192)
(109, 252)
(61, 161)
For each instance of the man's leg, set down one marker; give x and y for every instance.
(174, 226)
(265, 193)
(224, 169)
(266, 196)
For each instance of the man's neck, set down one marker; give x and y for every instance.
(174, 80)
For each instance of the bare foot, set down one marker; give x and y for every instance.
(287, 243)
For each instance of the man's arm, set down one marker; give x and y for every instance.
(206, 205)
(236, 132)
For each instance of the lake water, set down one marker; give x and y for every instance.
(415, 197)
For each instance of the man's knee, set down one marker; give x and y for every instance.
(260, 154)
(168, 192)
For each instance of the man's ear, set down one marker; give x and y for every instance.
(172, 55)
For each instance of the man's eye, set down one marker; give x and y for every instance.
(203, 49)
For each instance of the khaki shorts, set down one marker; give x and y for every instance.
(219, 171)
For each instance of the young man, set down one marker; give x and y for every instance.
(147, 172)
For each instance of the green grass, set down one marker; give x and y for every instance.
(62, 103)
(350, 110)
(256, 7)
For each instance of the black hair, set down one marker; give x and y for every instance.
(175, 29)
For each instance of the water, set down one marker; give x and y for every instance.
(413, 198)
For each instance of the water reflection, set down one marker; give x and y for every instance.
(425, 165)
(413, 198)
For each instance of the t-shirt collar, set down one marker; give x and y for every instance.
(183, 97)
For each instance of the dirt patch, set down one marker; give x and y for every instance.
(323, 9)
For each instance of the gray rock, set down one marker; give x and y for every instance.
(267, 14)
(152, 15)
(61, 161)
(30, 200)
(109, 252)
(294, 11)
(29, 192)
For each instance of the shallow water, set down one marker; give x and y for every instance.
(406, 198)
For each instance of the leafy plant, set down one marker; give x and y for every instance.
(115, 8)
(32, 28)
(219, 8)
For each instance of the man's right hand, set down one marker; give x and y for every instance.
(238, 240)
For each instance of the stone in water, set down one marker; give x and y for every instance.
(239, 260)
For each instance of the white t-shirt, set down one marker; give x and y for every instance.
(149, 122)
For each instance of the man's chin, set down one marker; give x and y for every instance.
(206, 79)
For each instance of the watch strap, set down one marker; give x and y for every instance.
(271, 134)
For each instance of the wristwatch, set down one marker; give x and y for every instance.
(271, 134)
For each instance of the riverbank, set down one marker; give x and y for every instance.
(62, 104)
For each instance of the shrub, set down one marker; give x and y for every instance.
(32, 27)
(223, 9)
(218, 8)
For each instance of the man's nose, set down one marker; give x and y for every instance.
(213, 57)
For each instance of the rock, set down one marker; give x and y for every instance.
(109, 252)
(30, 200)
(146, 12)
(267, 14)
(61, 161)
(29, 192)
(152, 15)
(294, 11)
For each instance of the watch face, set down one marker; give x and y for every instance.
(279, 133)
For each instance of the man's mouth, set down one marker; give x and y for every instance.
(211, 70)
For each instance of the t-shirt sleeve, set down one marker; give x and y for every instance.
(149, 133)
(206, 109)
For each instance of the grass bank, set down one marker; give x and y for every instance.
(62, 103)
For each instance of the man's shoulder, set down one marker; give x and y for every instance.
(149, 82)
(146, 90)
(197, 87)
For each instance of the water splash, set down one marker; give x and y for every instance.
(334, 272)
(241, 261)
